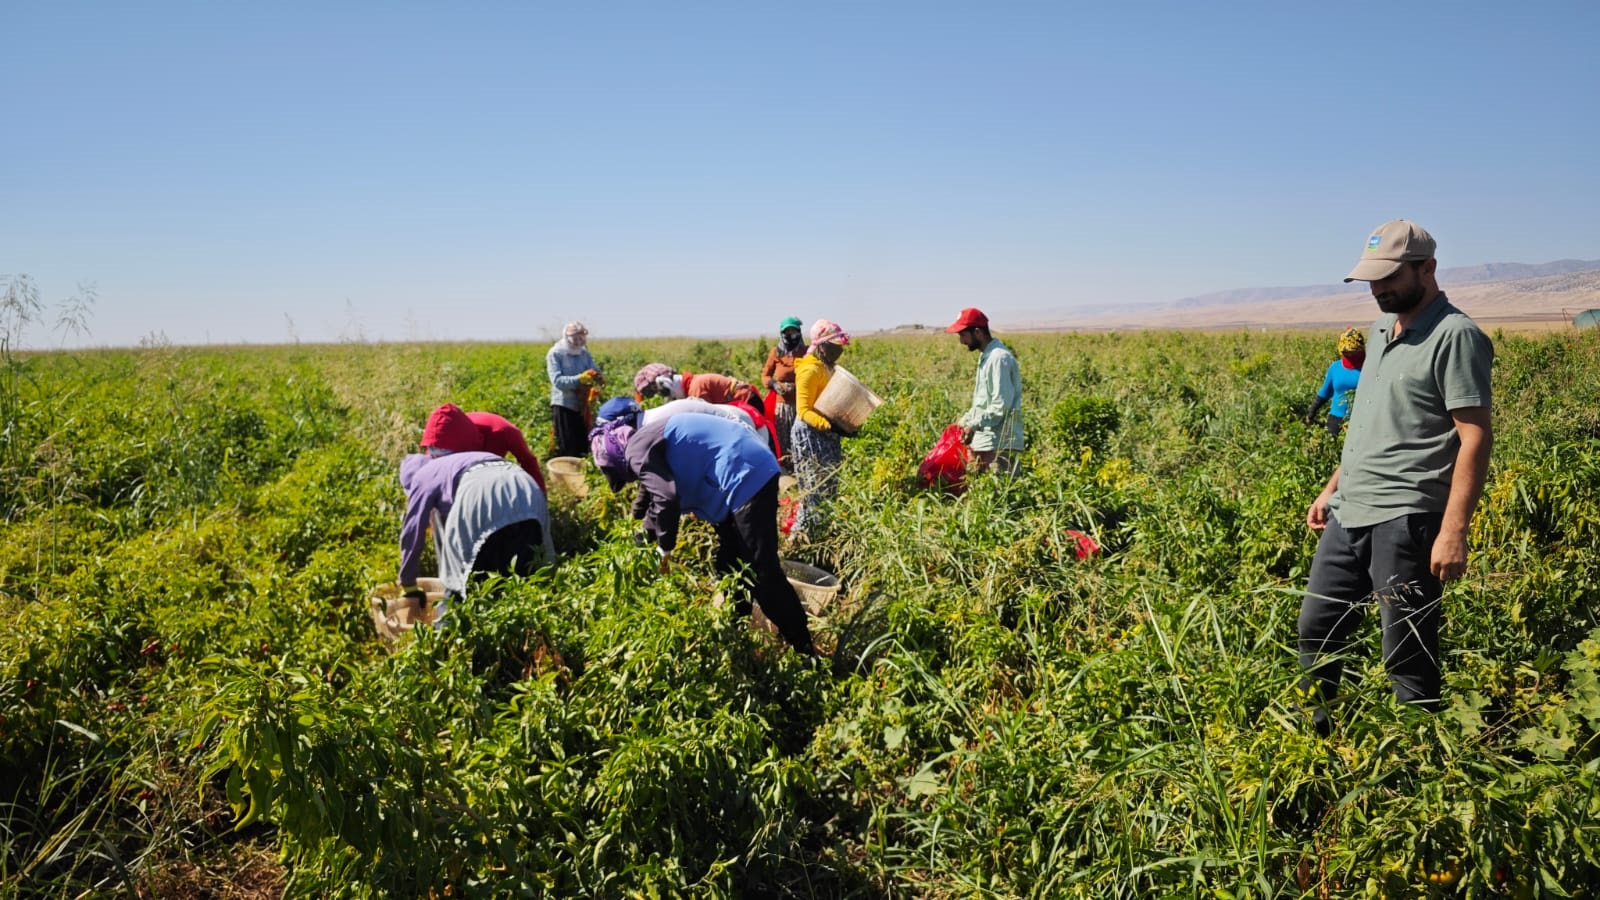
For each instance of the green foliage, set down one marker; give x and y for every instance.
(710, 356)
(1085, 422)
(192, 697)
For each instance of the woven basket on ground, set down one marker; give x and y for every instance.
(566, 472)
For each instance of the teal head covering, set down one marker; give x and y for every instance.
(786, 324)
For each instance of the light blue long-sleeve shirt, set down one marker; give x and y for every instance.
(564, 369)
(996, 413)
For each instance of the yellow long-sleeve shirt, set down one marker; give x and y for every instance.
(810, 377)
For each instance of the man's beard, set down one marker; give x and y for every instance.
(1399, 303)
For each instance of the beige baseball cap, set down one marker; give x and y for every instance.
(1391, 244)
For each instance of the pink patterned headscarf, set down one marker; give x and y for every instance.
(827, 331)
(648, 375)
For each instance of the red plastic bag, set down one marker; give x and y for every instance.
(1085, 546)
(946, 464)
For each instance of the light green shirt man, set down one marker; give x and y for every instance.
(996, 414)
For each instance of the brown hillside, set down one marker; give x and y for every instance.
(1547, 302)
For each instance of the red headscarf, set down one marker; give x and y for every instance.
(449, 429)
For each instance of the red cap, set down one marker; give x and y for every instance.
(450, 429)
(970, 317)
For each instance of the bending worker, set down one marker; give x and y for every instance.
(451, 429)
(720, 472)
(488, 517)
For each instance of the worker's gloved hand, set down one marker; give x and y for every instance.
(785, 388)
(588, 378)
(418, 598)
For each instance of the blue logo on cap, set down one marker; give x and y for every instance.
(1374, 241)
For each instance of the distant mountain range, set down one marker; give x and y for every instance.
(1495, 294)
(1447, 277)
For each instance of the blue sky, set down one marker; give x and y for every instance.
(323, 171)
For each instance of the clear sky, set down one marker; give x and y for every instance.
(359, 170)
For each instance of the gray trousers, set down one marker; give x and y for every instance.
(1387, 565)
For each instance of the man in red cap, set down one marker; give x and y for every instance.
(993, 425)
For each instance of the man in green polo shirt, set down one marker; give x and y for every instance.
(1394, 515)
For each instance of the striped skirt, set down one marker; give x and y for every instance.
(817, 458)
(783, 423)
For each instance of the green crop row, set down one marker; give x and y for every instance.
(193, 699)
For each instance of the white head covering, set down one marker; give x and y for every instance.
(672, 386)
(573, 338)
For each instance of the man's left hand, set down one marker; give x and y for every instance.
(1449, 560)
(966, 434)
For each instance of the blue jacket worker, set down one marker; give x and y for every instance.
(1340, 382)
(722, 473)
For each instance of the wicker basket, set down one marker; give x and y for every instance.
(846, 402)
(817, 589)
(394, 616)
(566, 472)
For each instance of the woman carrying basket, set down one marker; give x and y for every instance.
(814, 441)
